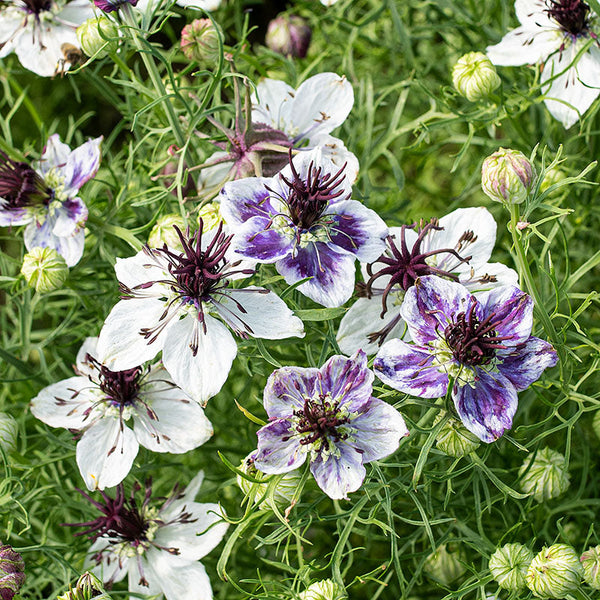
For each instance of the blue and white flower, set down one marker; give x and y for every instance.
(44, 197)
(178, 302)
(480, 346)
(304, 221)
(561, 34)
(102, 403)
(328, 417)
(456, 247)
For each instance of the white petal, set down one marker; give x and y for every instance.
(202, 375)
(83, 365)
(488, 276)
(335, 150)
(41, 236)
(55, 154)
(11, 20)
(272, 102)
(525, 46)
(141, 269)
(105, 453)
(200, 4)
(152, 583)
(76, 12)
(533, 13)
(110, 569)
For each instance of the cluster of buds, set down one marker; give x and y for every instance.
(289, 35)
(507, 176)
(544, 475)
(44, 269)
(474, 76)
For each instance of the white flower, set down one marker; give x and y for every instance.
(177, 302)
(101, 402)
(562, 35)
(457, 247)
(40, 32)
(158, 548)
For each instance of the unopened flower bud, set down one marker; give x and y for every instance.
(289, 35)
(210, 214)
(544, 475)
(200, 41)
(12, 572)
(44, 269)
(509, 564)
(323, 590)
(88, 587)
(552, 176)
(9, 430)
(554, 572)
(164, 232)
(474, 76)
(590, 561)
(97, 36)
(507, 176)
(444, 565)
(171, 168)
(454, 439)
(283, 493)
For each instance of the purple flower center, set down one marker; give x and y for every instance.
(320, 418)
(37, 6)
(404, 265)
(571, 15)
(307, 199)
(121, 388)
(473, 342)
(21, 186)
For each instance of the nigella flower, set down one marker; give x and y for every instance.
(44, 197)
(304, 221)
(158, 548)
(39, 31)
(456, 247)
(108, 6)
(177, 302)
(100, 403)
(563, 35)
(479, 345)
(328, 417)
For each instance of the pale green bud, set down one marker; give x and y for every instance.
(163, 232)
(590, 561)
(323, 590)
(98, 36)
(211, 217)
(552, 176)
(44, 269)
(545, 476)
(283, 493)
(474, 76)
(200, 41)
(9, 431)
(454, 439)
(507, 176)
(509, 564)
(444, 565)
(88, 587)
(554, 572)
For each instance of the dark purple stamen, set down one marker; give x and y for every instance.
(571, 15)
(473, 342)
(37, 6)
(121, 388)
(21, 186)
(320, 418)
(406, 265)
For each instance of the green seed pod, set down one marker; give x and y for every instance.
(98, 36)
(590, 561)
(44, 269)
(509, 564)
(9, 431)
(88, 587)
(545, 476)
(454, 439)
(474, 76)
(323, 590)
(12, 572)
(163, 232)
(200, 41)
(507, 176)
(554, 572)
(444, 565)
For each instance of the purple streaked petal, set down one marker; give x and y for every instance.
(70, 216)
(41, 236)
(339, 475)
(430, 304)
(245, 198)
(14, 216)
(332, 274)
(82, 165)
(349, 380)
(487, 406)
(286, 390)
(357, 230)
(410, 369)
(55, 155)
(256, 239)
(527, 362)
(378, 430)
(279, 451)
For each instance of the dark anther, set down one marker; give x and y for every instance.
(571, 15)
(21, 186)
(320, 418)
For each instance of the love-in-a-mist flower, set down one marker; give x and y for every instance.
(456, 247)
(178, 302)
(117, 411)
(480, 345)
(561, 34)
(38, 31)
(44, 196)
(304, 221)
(157, 548)
(328, 417)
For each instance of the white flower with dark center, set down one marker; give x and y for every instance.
(178, 302)
(561, 34)
(157, 548)
(42, 32)
(101, 403)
